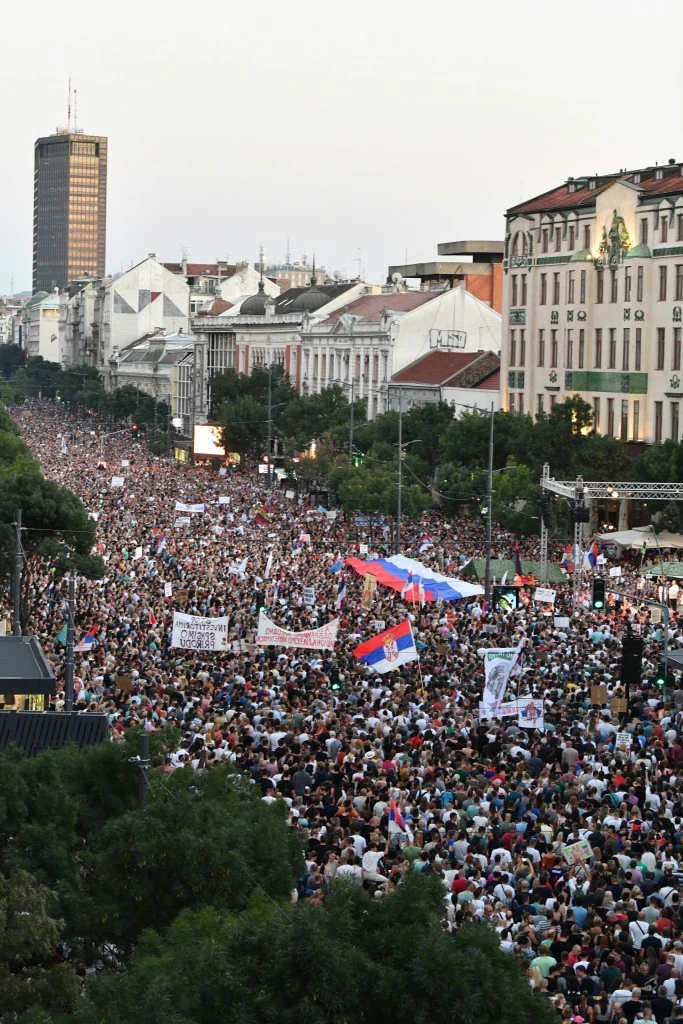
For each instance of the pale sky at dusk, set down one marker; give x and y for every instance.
(382, 126)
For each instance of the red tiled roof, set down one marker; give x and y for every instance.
(370, 307)
(435, 368)
(491, 383)
(561, 198)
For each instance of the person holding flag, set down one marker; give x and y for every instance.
(388, 650)
(337, 564)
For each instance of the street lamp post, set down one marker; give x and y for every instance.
(489, 514)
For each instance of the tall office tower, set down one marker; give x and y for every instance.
(69, 208)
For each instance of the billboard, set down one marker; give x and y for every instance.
(206, 441)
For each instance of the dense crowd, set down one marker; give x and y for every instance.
(489, 806)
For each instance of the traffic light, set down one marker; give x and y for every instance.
(136, 431)
(598, 593)
(260, 601)
(358, 458)
(546, 515)
(660, 678)
(631, 660)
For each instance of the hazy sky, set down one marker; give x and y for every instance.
(384, 126)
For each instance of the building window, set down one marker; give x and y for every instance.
(553, 400)
(558, 239)
(612, 356)
(572, 237)
(679, 228)
(511, 401)
(643, 231)
(639, 285)
(613, 291)
(676, 361)
(623, 427)
(627, 284)
(582, 288)
(610, 417)
(600, 291)
(544, 240)
(674, 421)
(658, 422)
(513, 300)
(539, 405)
(639, 348)
(544, 289)
(586, 236)
(522, 347)
(662, 284)
(570, 287)
(636, 420)
(582, 347)
(660, 348)
(553, 349)
(598, 348)
(679, 282)
(596, 415)
(513, 348)
(520, 402)
(556, 289)
(663, 229)
(570, 349)
(541, 347)
(523, 296)
(625, 348)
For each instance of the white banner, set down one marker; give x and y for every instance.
(168, 590)
(309, 596)
(508, 710)
(180, 506)
(194, 633)
(117, 481)
(498, 664)
(182, 521)
(223, 499)
(545, 595)
(271, 635)
(531, 713)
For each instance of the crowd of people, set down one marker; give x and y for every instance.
(487, 805)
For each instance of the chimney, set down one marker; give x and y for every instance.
(672, 160)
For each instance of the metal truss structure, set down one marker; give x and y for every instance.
(581, 493)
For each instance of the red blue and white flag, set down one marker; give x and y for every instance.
(390, 649)
(424, 545)
(396, 819)
(340, 600)
(336, 565)
(87, 641)
(591, 557)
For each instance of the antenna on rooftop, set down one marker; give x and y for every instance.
(68, 109)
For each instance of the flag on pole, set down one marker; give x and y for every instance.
(396, 819)
(421, 592)
(590, 559)
(262, 516)
(340, 600)
(87, 641)
(567, 559)
(518, 560)
(152, 620)
(503, 578)
(424, 544)
(336, 565)
(408, 586)
(390, 649)
(62, 635)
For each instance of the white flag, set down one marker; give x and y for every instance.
(269, 565)
(498, 665)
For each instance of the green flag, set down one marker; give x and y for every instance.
(62, 635)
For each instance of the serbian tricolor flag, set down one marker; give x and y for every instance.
(424, 545)
(390, 649)
(591, 557)
(567, 559)
(396, 819)
(336, 565)
(87, 641)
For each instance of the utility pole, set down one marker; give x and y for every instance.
(194, 401)
(69, 678)
(400, 475)
(169, 424)
(489, 513)
(270, 398)
(143, 766)
(156, 402)
(351, 429)
(16, 587)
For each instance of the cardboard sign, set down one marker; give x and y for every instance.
(168, 590)
(124, 683)
(599, 694)
(623, 741)
(618, 705)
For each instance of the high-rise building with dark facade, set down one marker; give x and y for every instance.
(69, 209)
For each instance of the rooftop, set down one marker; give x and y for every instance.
(577, 192)
(436, 368)
(369, 308)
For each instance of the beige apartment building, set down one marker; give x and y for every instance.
(592, 301)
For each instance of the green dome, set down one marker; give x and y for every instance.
(639, 252)
(255, 305)
(582, 256)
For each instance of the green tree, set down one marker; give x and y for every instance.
(351, 959)
(244, 426)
